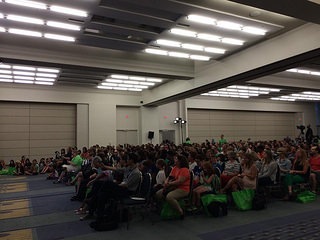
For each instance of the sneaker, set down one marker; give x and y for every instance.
(56, 182)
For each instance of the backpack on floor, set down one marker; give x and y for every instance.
(218, 209)
(259, 201)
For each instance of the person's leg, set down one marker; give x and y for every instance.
(313, 181)
(173, 197)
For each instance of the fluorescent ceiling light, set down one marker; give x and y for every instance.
(254, 30)
(24, 78)
(315, 73)
(214, 50)
(2, 29)
(46, 75)
(23, 81)
(43, 83)
(5, 76)
(198, 57)
(178, 54)
(120, 89)
(183, 32)
(23, 73)
(59, 37)
(25, 32)
(25, 19)
(63, 25)
(232, 41)
(45, 79)
(137, 78)
(292, 70)
(168, 43)
(131, 82)
(125, 85)
(109, 84)
(5, 66)
(1, 15)
(104, 87)
(119, 76)
(147, 83)
(49, 70)
(134, 89)
(142, 86)
(201, 19)
(154, 79)
(24, 68)
(209, 37)
(303, 71)
(70, 11)
(156, 51)
(192, 46)
(6, 80)
(5, 71)
(114, 80)
(229, 25)
(26, 3)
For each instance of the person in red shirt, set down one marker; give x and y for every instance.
(315, 167)
(179, 179)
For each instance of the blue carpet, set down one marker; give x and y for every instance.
(63, 230)
(298, 226)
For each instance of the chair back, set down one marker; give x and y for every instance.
(145, 186)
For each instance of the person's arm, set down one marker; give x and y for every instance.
(209, 180)
(252, 174)
(304, 170)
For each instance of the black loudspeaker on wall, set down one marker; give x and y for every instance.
(150, 135)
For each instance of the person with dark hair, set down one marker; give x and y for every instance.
(268, 172)
(179, 180)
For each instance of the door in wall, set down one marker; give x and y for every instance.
(127, 137)
(166, 135)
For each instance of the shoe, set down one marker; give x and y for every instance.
(86, 217)
(75, 198)
(56, 182)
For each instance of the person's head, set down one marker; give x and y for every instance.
(160, 163)
(267, 156)
(249, 159)
(182, 162)
(133, 159)
(96, 162)
(301, 155)
(207, 168)
(232, 156)
(222, 136)
(314, 150)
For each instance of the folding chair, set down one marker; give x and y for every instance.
(138, 202)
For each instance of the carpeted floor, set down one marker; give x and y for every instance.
(34, 208)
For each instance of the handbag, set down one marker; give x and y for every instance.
(306, 197)
(209, 198)
(243, 199)
(168, 212)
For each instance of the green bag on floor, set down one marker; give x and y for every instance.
(243, 199)
(306, 197)
(169, 212)
(209, 198)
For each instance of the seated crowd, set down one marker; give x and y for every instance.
(104, 174)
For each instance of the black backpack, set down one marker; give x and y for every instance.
(217, 209)
(259, 201)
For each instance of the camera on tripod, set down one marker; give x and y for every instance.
(301, 128)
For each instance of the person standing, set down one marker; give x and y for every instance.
(309, 135)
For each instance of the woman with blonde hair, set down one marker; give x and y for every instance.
(300, 172)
